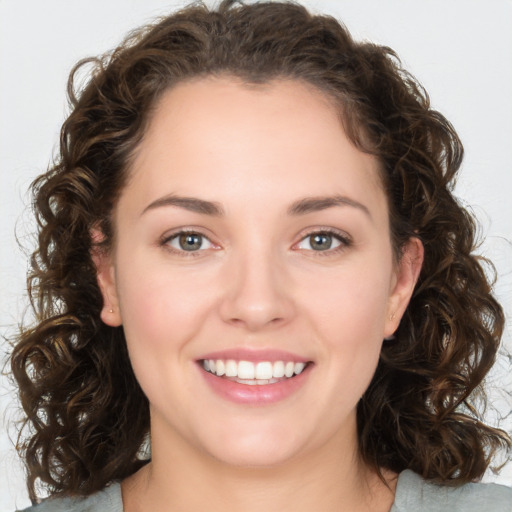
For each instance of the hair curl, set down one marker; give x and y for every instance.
(76, 384)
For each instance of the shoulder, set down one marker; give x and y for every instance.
(107, 500)
(414, 493)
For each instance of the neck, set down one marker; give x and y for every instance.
(330, 479)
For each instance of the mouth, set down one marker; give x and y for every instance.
(257, 383)
(251, 373)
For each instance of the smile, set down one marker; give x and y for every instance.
(255, 378)
(250, 373)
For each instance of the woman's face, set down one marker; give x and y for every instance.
(253, 233)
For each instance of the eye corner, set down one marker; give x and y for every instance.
(332, 239)
(187, 242)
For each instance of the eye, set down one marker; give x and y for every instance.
(322, 241)
(188, 241)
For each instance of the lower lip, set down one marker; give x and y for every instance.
(257, 394)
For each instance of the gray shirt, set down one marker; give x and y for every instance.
(413, 494)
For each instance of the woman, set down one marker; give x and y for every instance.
(249, 257)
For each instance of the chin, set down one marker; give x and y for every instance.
(256, 449)
(255, 457)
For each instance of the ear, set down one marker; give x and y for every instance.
(105, 274)
(406, 277)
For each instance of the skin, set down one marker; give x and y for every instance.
(255, 283)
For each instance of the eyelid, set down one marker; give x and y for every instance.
(165, 240)
(344, 238)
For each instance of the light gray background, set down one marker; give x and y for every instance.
(461, 50)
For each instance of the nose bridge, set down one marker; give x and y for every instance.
(256, 294)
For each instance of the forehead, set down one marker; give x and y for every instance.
(216, 136)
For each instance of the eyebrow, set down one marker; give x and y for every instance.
(192, 204)
(300, 207)
(315, 204)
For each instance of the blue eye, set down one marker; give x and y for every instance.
(321, 241)
(189, 242)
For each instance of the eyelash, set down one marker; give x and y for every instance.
(166, 239)
(343, 238)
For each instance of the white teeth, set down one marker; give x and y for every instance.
(231, 368)
(247, 372)
(220, 367)
(264, 371)
(278, 369)
(298, 368)
(257, 382)
(251, 382)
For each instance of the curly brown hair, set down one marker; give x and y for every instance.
(76, 384)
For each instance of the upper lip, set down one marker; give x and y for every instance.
(255, 355)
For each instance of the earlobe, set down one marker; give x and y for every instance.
(105, 275)
(407, 275)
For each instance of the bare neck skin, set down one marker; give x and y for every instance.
(330, 479)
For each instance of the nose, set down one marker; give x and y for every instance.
(258, 294)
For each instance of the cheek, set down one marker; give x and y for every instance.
(159, 308)
(162, 312)
(349, 319)
(350, 305)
